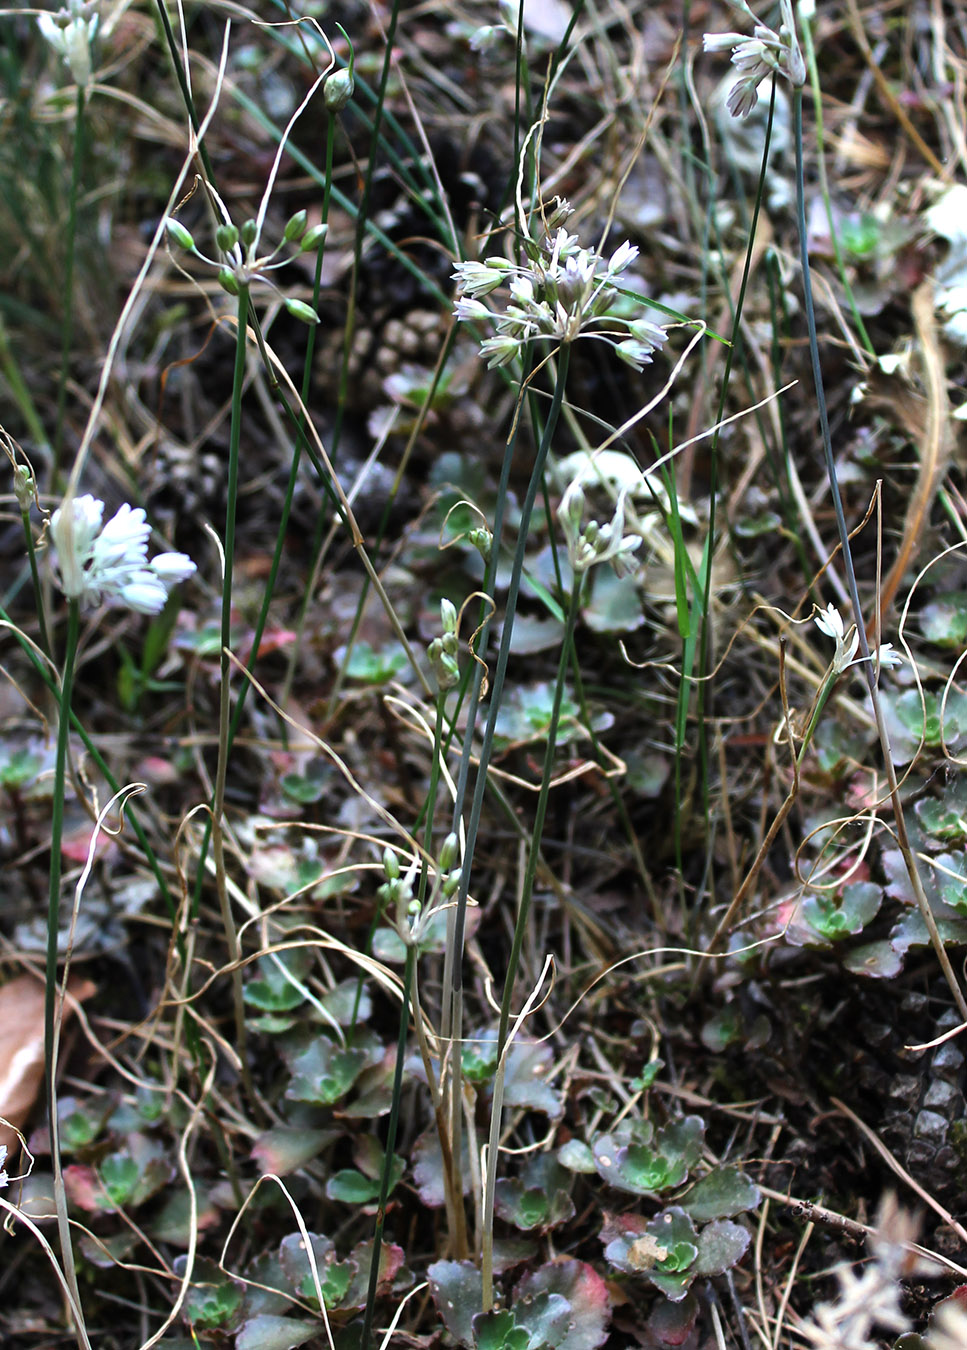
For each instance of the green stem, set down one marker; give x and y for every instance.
(391, 1129)
(38, 589)
(520, 928)
(225, 671)
(67, 328)
(53, 933)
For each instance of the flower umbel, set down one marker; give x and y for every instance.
(240, 262)
(830, 622)
(562, 292)
(765, 53)
(592, 543)
(109, 562)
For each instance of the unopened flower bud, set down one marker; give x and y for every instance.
(249, 233)
(560, 210)
(448, 852)
(24, 487)
(482, 540)
(178, 233)
(391, 865)
(338, 90)
(228, 281)
(226, 237)
(451, 882)
(448, 616)
(445, 667)
(295, 227)
(313, 238)
(301, 311)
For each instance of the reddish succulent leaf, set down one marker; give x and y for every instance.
(587, 1294)
(286, 1148)
(673, 1323)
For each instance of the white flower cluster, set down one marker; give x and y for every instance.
(70, 32)
(758, 56)
(830, 622)
(564, 291)
(109, 562)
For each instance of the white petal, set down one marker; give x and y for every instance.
(172, 567)
(145, 593)
(830, 622)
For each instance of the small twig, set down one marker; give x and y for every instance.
(881, 1148)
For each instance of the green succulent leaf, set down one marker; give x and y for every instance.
(499, 1331)
(721, 1245)
(457, 1290)
(723, 1192)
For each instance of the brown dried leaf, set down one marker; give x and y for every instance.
(22, 1049)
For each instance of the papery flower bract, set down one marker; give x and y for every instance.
(110, 563)
(70, 32)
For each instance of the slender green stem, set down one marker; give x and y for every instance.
(391, 1128)
(67, 323)
(867, 665)
(453, 996)
(38, 589)
(225, 670)
(520, 928)
(189, 102)
(53, 934)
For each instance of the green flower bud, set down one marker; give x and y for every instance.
(226, 237)
(295, 227)
(24, 487)
(451, 883)
(391, 865)
(313, 238)
(482, 540)
(299, 310)
(448, 852)
(448, 616)
(228, 281)
(338, 90)
(178, 233)
(249, 233)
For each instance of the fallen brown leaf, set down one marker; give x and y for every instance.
(22, 1049)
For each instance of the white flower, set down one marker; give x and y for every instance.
(830, 622)
(110, 563)
(561, 292)
(70, 32)
(765, 53)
